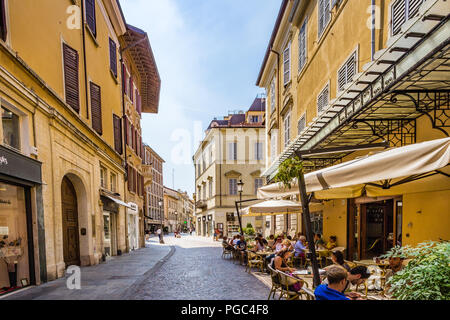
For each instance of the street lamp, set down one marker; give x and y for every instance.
(176, 220)
(240, 189)
(160, 203)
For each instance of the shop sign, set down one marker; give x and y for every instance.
(19, 166)
(133, 206)
(4, 231)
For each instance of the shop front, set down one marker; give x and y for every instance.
(133, 226)
(22, 241)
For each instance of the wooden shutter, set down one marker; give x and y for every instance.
(125, 123)
(138, 102)
(413, 7)
(90, 16)
(302, 46)
(3, 26)
(131, 89)
(142, 186)
(124, 79)
(287, 64)
(398, 16)
(96, 108)
(117, 134)
(138, 183)
(129, 177)
(302, 123)
(70, 57)
(113, 57)
(134, 180)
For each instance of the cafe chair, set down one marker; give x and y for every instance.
(286, 282)
(309, 293)
(254, 261)
(226, 252)
(276, 283)
(365, 287)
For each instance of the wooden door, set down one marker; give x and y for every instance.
(71, 240)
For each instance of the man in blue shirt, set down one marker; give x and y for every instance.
(337, 281)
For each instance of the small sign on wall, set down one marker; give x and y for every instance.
(4, 231)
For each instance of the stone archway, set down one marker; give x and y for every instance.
(70, 224)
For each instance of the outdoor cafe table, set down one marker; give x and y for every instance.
(264, 254)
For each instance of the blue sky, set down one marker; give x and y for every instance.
(208, 53)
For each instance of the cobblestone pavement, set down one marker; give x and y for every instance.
(187, 268)
(196, 271)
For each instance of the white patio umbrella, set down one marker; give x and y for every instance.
(271, 207)
(410, 162)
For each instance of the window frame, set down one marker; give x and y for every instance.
(319, 13)
(273, 94)
(304, 27)
(319, 98)
(353, 55)
(302, 118)
(288, 61)
(287, 129)
(232, 192)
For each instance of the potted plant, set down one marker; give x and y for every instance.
(426, 276)
(10, 253)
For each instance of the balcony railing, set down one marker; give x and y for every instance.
(147, 171)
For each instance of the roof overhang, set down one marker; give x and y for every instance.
(407, 79)
(136, 42)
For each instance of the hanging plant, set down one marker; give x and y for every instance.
(287, 171)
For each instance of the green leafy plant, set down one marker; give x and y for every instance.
(427, 275)
(288, 170)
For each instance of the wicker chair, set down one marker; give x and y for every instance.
(254, 261)
(226, 252)
(276, 283)
(286, 282)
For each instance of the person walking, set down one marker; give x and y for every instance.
(159, 232)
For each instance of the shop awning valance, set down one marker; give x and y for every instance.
(378, 170)
(272, 207)
(118, 201)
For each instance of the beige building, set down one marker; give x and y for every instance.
(172, 209)
(187, 211)
(232, 150)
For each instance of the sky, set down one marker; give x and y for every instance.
(208, 53)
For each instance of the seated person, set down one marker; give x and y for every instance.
(332, 243)
(338, 259)
(318, 241)
(236, 239)
(242, 246)
(300, 247)
(259, 245)
(280, 261)
(277, 247)
(356, 276)
(225, 243)
(271, 241)
(286, 244)
(335, 286)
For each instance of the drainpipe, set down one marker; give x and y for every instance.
(83, 32)
(373, 29)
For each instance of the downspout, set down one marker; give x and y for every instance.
(83, 32)
(373, 30)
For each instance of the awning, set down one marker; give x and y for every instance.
(119, 202)
(409, 163)
(272, 207)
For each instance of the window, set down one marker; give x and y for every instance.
(113, 57)
(254, 119)
(232, 151)
(117, 123)
(287, 128)
(273, 95)
(103, 177)
(233, 187)
(347, 72)
(210, 188)
(273, 145)
(106, 227)
(302, 123)
(324, 15)
(90, 16)
(323, 99)
(302, 47)
(287, 64)
(113, 182)
(204, 192)
(11, 128)
(3, 25)
(402, 11)
(96, 108)
(258, 151)
(70, 57)
(258, 184)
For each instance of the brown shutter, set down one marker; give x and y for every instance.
(70, 57)
(124, 79)
(142, 186)
(117, 134)
(113, 57)
(125, 122)
(96, 108)
(129, 177)
(134, 180)
(131, 88)
(90, 16)
(3, 27)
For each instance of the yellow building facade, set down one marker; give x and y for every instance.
(352, 73)
(61, 97)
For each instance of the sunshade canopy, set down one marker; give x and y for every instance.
(273, 207)
(408, 161)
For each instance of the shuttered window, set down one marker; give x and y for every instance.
(90, 16)
(232, 151)
(124, 79)
(324, 15)
(96, 108)
(258, 151)
(273, 145)
(138, 102)
(322, 99)
(3, 25)
(142, 186)
(130, 91)
(232, 187)
(302, 47)
(347, 72)
(129, 177)
(287, 64)
(113, 57)
(117, 123)
(273, 94)
(258, 184)
(287, 128)
(301, 123)
(70, 57)
(403, 10)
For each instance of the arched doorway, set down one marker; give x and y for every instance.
(71, 241)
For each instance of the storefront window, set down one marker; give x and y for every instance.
(13, 236)
(107, 227)
(11, 128)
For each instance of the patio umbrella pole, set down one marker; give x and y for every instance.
(239, 216)
(309, 234)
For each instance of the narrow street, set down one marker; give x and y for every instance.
(190, 268)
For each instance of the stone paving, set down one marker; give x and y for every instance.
(186, 268)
